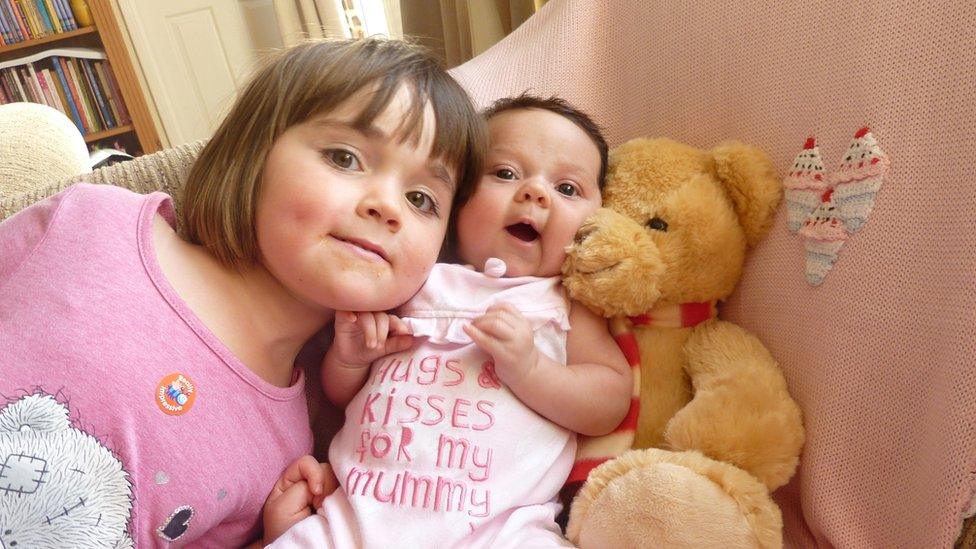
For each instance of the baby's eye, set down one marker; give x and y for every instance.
(567, 189)
(505, 174)
(341, 158)
(422, 201)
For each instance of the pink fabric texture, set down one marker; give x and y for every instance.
(881, 355)
(130, 419)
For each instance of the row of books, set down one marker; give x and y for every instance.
(76, 81)
(27, 19)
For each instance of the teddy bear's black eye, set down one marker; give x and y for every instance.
(658, 224)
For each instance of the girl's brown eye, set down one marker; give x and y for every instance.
(422, 201)
(505, 174)
(342, 158)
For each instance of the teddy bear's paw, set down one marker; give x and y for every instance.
(656, 498)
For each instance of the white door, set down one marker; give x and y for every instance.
(196, 55)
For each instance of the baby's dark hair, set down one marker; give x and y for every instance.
(561, 107)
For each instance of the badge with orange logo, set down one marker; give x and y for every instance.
(175, 394)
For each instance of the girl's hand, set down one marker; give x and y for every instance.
(303, 486)
(361, 338)
(504, 333)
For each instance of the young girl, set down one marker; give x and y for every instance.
(464, 436)
(150, 395)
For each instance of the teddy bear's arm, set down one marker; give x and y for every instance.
(742, 412)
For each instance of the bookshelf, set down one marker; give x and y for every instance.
(134, 130)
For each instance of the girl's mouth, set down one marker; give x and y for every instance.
(523, 232)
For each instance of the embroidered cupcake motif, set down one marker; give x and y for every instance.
(825, 208)
(804, 185)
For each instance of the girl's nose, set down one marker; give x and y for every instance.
(533, 191)
(383, 205)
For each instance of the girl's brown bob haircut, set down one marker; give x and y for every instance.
(220, 195)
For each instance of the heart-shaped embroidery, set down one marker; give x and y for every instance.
(825, 209)
(176, 524)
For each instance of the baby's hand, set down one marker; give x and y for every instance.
(304, 484)
(504, 333)
(361, 338)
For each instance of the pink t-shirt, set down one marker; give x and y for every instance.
(122, 418)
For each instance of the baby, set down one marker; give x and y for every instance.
(461, 412)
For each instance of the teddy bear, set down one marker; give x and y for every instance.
(716, 429)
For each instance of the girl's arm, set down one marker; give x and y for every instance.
(589, 395)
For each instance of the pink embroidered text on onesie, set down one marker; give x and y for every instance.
(435, 451)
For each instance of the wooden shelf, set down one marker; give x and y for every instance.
(108, 133)
(104, 34)
(46, 39)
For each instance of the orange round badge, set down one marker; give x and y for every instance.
(175, 394)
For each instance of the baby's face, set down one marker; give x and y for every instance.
(539, 185)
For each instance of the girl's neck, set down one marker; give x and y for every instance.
(275, 322)
(248, 310)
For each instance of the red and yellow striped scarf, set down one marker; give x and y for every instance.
(592, 451)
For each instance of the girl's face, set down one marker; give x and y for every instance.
(350, 219)
(540, 185)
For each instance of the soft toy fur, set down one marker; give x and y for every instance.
(717, 430)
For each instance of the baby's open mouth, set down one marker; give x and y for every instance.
(523, 232)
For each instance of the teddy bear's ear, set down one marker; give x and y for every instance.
(751, 181)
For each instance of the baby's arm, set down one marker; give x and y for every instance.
(589, 395)
(360, 338)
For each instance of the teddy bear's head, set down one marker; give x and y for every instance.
(675, 227)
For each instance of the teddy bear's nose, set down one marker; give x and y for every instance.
(583, 234)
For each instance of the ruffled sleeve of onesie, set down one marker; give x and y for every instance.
(453, 296)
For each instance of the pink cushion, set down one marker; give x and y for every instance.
(881, 355)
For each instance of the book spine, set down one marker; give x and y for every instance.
(31, 8)
(55, 18)
(56, 90)
(49, 16)
(62, 77)
(28, 18)
(76, 95)
(86, 66)
(69, 13)
(123, 110)
(35, 86)
(19, 19)
(8, 15)
(110, 98)
(49, 94)
(20, 85)
(15, 90)
(59, 9)
(49, 22)
(46, 91)
(6, 87)
(6, 37)
(94, 117)
(8, 83)
(38, 14)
